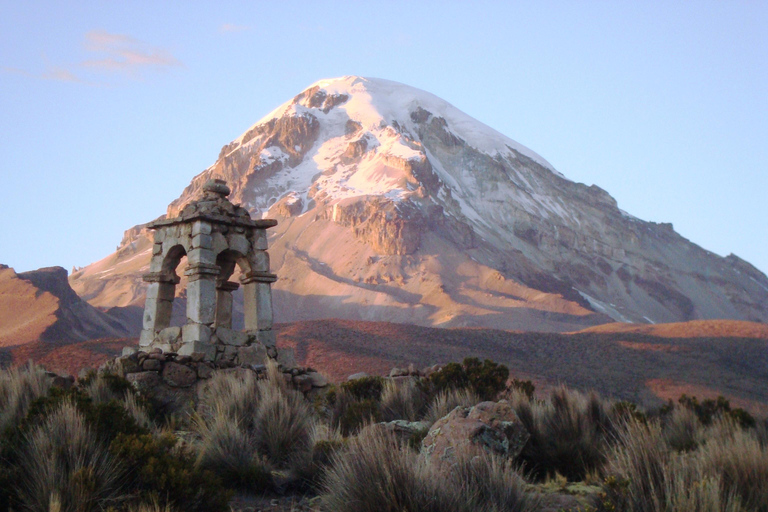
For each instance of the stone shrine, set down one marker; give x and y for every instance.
(215, 236)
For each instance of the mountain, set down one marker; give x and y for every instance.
(41, 306)
(394, 205)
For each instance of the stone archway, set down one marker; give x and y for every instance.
(215, 235)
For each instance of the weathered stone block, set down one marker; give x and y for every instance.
(303, 383)
(144, 382)
(238, 243)
(146, 338)
(200, 255)
(127, 364)
(230, 337)
(318, 380)
(266, 338)
(128, 351)
(169, 335)
(157, 249)
(194, 348)
(196, 332)
(260, 240)
(201, 227)
(201, 301)
(286, 357)
(178, 375)
(218, 242)
(151, 364)
(254, 354)
(202, 241)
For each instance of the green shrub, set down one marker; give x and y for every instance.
(682, 430)
(486, 379)
(365, 388)
(165, 474)
(523, 386)
(708, 410)
(358, 414)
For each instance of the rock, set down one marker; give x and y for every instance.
(230, 337)
(204, 371)
(303, 383)
(178, 375)
(490, 426)
(404, 429)
(355, 376)
(151, 364)
(129, 351)
(254, 354)
(127, 364)
(398, 372)
(318, 380)
(144, 382)
(169, 335)
(286, 358)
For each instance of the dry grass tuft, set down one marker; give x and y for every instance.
(64, 464)
(19, 387)
(402, 400)
(447, 401)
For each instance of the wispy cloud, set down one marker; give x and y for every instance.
(107, 54)
(230, 27)
(123, 53)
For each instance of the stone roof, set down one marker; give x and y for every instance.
(214, 207)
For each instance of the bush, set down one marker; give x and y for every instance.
(486, 379)
(358, 414)
(569, 433)
(19, 387)
(162, 473)
(283, 424)
(708, 410)
(365, 388)
(525, 387)
(62, 459)
(682, 430)
(376, 473)
(402, 400)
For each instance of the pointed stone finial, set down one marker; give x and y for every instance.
(217, 187)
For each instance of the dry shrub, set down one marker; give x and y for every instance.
(63, 461)
(402, 400)
(740, 460)
(283, 423)
(646, 475)
(376, 473)
(245, 426)
(682, 429)
(19, 387)
(569, 433)
(446, 401)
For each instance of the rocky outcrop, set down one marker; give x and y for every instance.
(492, 427)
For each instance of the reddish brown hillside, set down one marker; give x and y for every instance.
(692, 329)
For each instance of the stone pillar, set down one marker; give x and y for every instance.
(158, 306)
(257, 303)
(224, 303)
(201, 304)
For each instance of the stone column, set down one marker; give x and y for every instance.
(201, 304)
(257, 303)
(158, 306)
(224, 303)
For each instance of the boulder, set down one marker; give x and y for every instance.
(355, 376)
(318, 380)
(178, 375)
(490, 426)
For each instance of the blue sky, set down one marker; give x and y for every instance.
(110, 108)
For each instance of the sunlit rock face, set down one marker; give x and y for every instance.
(394, 205)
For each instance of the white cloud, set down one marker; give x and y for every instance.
(123, 53)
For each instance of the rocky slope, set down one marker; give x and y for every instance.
(41, 306)
(394, 205)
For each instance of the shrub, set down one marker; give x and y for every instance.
(19, 387)
(283, 423)
(232, 395)
(523, 386)
(358, 414)
(162, 473)
(402, 400)
(63, 460)
(681, 430)
(486, 379)
(708, 410)
(569, 433)
(365, 388)
(228, 451)
(377, 473)
(740, 461)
